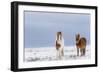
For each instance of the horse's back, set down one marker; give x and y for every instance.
(83, 39)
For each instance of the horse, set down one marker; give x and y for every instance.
(59, 44)
(81, 44)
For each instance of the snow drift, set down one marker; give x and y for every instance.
(50, 53)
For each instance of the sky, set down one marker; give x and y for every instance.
(40, 28)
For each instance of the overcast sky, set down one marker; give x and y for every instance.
(41, 27)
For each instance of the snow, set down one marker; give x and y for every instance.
(50, 54)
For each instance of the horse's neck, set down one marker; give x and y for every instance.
(77, 42)
(61, 40)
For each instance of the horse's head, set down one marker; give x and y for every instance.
(77, 37)
(59, 35)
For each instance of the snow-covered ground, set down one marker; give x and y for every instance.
(49, 54)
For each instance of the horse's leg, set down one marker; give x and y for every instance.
(84, 51)
(57, 53)
(81, 51)
(77, 51)
(62, 52)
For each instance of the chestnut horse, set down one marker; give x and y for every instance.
(81, 44)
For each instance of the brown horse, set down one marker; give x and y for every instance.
(81, 44)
